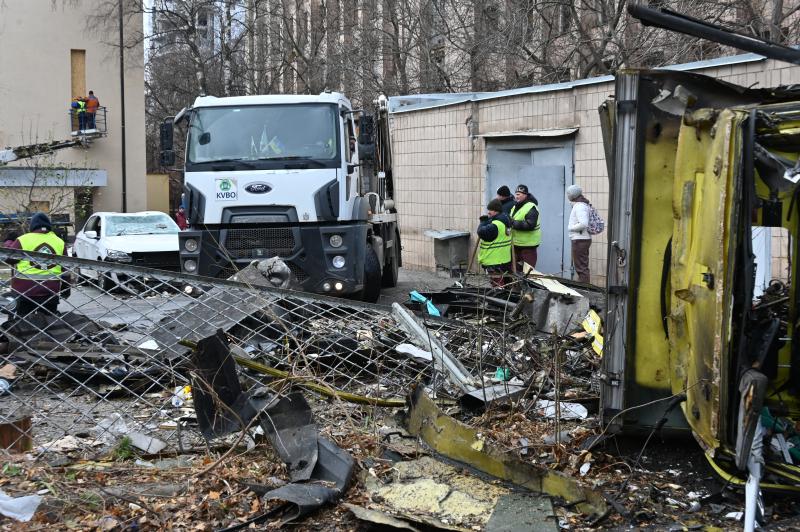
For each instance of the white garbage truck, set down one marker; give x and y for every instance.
(306, 178)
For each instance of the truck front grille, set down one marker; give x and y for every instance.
(259, 242)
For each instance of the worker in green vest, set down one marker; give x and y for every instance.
(38, 284)
(526, 228)
(494, 233)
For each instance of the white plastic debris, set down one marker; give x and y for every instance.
(585, 468)
(68, 443)
(414, 351)
(734, 515)
(568, 410)
(148, 344)
(146, 443)
(19, 508)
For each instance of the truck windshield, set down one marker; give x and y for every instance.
(265, 136)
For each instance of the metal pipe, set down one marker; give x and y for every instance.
(678, 22)
(458, 373)
(122, 107)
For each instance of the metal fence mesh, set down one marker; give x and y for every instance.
(113, 362)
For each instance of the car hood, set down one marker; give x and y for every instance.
(142, 243)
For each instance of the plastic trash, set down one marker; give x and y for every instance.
(19, 508)
(419, 298)
(181, 395)
(5, 386)
(414, 351)
(568, 410)
(502, 374)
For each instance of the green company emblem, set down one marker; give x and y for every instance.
(225, 185)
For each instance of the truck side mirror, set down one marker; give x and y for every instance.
(166, 135)
(167, 158)
(167, 154)
(366, 138)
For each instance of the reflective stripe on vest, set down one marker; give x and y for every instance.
(526, 238)
(40, 243)
(497, 251)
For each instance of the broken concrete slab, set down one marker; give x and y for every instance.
(460, 442)
(436, 494)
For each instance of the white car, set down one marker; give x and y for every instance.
(148, 239)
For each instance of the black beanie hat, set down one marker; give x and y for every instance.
(40, 221)
(495, 205)
(523, 189)
(504, 191)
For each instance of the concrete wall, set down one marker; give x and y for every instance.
(36, 39)
(440, 169)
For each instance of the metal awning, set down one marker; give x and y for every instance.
(560, 132)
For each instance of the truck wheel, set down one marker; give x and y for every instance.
(372, 277)
(389, 279)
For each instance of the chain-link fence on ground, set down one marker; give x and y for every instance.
(116, 361)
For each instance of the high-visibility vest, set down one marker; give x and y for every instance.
(523, 238)
(497, 251)
(81, 106)
(40, 243)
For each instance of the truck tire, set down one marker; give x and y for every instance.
(390, 269)
(372, 277)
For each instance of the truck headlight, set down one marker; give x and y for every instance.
(118, 256)
(190, 245)
(190, 265)
(338, 261)
(336, 241)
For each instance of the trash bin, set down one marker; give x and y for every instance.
(450, 250)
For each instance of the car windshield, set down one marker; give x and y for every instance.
(151, 224)
(264, 133)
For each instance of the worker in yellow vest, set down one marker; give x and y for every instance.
(494, 233)
(526, 227)
(38, 284)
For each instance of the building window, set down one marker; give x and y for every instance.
(77, 63)
(39, 206)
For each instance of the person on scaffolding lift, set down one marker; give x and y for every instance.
(79, 110)
(92, 104)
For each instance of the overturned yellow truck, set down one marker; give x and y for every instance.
(695, 164)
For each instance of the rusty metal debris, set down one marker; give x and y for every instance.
(463, 443)
(311, 386)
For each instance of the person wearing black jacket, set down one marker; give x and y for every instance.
(506, 199)
(494, 233)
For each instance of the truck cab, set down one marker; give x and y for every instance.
(282, 175)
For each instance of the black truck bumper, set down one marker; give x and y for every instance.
(306, 248)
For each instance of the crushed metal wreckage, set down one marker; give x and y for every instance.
(328, 412)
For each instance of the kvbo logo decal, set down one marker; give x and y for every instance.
(226, 189)
(258, 188)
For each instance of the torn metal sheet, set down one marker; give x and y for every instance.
(289, 425)
(474, 393)
(460, 442)
(382, 519)
(457, 372)
(219, 402)
(222, 307)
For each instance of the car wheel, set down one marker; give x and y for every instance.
(390, 269)
(372, 277)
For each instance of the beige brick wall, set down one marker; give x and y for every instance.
(440, 171)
